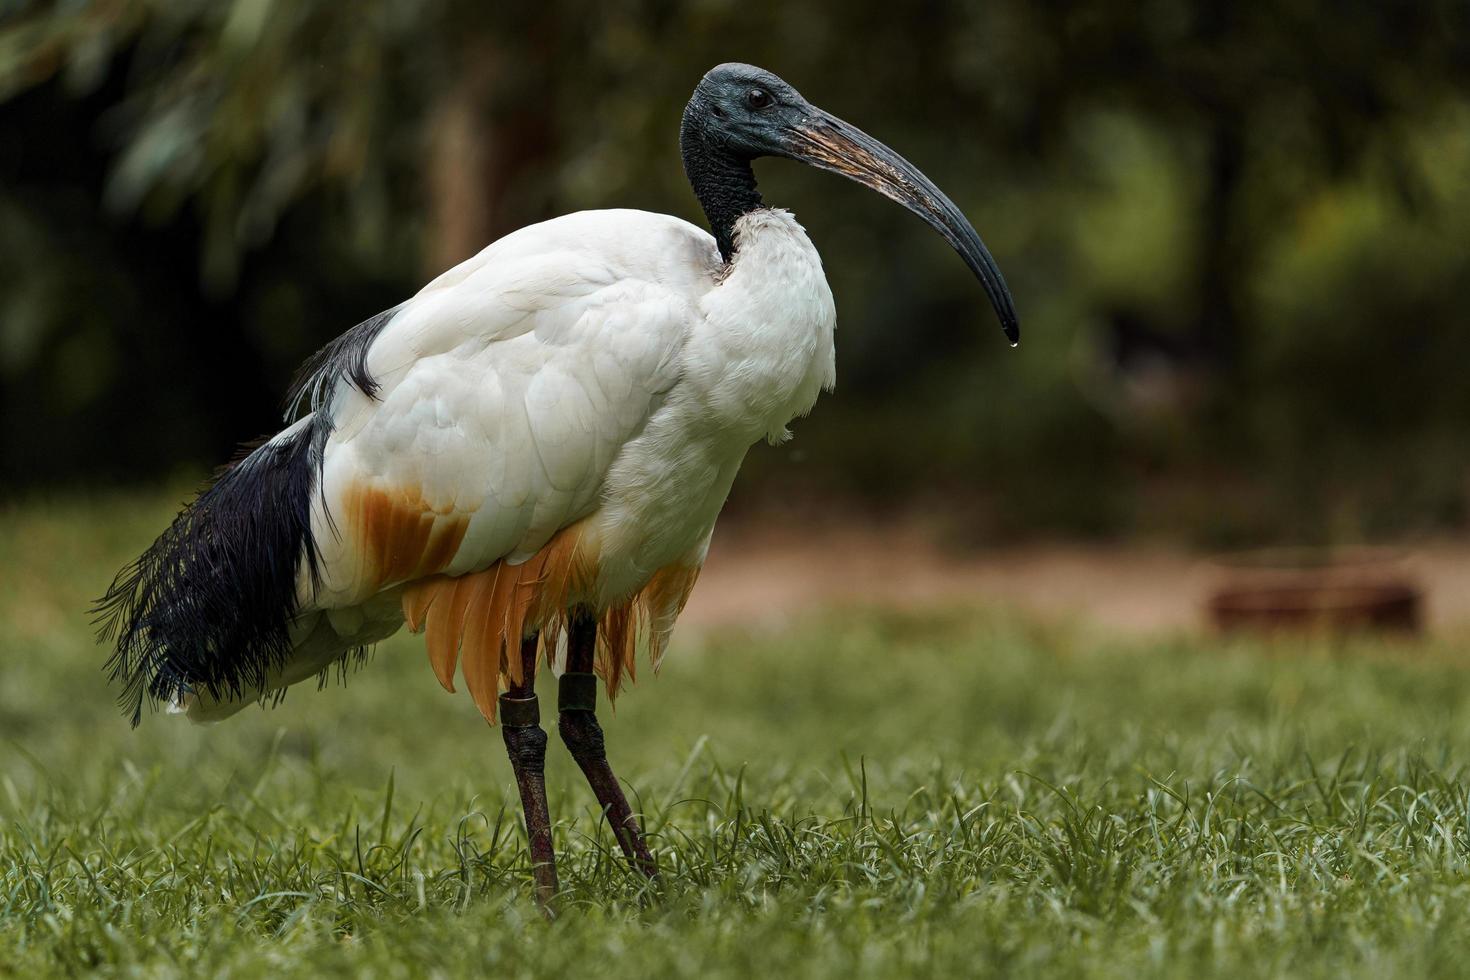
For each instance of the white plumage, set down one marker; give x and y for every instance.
(604, 367)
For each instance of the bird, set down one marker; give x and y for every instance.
(527, 456)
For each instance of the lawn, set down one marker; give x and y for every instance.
(864, 795)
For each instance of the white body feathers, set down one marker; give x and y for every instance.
(605, 368)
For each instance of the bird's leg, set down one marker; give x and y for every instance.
(577, 704)
(525, 741)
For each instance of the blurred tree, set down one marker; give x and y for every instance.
(1267, 102)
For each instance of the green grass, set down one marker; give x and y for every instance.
(865, 795)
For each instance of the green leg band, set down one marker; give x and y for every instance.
(520, 712)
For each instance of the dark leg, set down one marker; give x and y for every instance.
(583, 736)
(520, 722)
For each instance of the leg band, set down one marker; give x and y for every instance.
(578, 692)
(519, 712)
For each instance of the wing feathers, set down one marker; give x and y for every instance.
(485, 450)
(500, 398)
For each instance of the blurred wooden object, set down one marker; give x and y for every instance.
(1322, 590)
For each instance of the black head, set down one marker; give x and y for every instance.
(746, 111)
(741, 112)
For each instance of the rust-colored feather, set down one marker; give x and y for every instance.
(441, 542)
(399, 536)
(417, 598)
(461, 593)
(507, 651)
(443, 646)
(482, 641)
(482, 669)
(476, 622)
(663, 599)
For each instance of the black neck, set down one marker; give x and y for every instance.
(722, 180)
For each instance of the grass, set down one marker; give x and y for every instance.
(864, 795)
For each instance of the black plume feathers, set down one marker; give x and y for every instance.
(210, 604)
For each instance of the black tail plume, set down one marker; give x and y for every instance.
(210, 604)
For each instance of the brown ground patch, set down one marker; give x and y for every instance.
(765, 573)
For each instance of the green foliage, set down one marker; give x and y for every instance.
(866, 795)
(237, 110)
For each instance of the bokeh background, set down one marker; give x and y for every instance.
(943, 702)
(1239, 236)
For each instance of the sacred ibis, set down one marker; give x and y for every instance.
(533, 448)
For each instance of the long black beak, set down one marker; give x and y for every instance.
(827, 142)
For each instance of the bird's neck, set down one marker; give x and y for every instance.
(722, 181)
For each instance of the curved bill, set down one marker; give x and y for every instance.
(826, 142)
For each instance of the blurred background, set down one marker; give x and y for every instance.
(1238, 235)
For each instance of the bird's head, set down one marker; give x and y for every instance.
(745, 112)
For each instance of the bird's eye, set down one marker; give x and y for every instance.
(757, 98)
